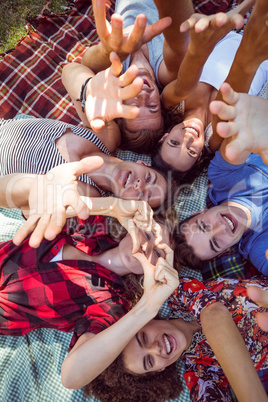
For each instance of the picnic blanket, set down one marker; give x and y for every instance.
(30, 83)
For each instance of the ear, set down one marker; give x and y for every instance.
(163, 138)
(143, 163)
(162, 369)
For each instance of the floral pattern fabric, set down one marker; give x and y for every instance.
(204, 376)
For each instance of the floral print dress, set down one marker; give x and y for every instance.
(204, 376)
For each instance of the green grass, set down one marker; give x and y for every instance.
(13, 18)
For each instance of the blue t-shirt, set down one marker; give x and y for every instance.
(246, 184)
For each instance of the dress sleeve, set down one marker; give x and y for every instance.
(192, 295)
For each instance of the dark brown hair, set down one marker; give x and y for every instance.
(184, 253)
(141, 141)
(115, 384)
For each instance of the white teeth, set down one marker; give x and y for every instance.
(230, 223)
(192, 130)
(128, 180)
(167, 344)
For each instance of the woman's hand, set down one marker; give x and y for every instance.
(160, 280)
(49, 197)
(207, 30)
(106, 92)
(260, 296)
(245, 121)
(124, 41)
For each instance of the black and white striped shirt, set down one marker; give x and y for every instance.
(28, 146)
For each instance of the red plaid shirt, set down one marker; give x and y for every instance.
(69, 295)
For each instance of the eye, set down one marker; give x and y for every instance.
(216, 243)
(204, 225)
(144, 338)
(150, 361)
(192, 152)
(148, 178)
(173, 143)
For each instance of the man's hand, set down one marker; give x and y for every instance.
(246, 125)
(106, 92)
(124, 41)
(49, 197)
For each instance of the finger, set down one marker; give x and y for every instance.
(134, 233)
(99, 9)
(87, 165)
(228, 94)
(137, 32)
(156, 29)
(202, 24)
(158, 233)
(169, 253)
(39, 231)
(190, 23)
(26, 229)
(262, 321)
(219, 20)
(264, 155)
(227, 129)
(224, 111)
(116, 31)
(116, 66)
(234, 149)
(237, 21)
(129, 76)
(259, 296)
(131, 90)
(143, 261)
(55, 225)
(97, 124)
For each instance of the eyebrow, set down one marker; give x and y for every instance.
(140, 345)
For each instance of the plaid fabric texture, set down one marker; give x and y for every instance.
(31, 83)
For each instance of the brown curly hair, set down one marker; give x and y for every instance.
(115, 384)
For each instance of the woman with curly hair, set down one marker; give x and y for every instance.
(207, 328)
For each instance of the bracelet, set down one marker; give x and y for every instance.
(83, 91)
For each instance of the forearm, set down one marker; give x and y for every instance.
(187, 80)
(15, 190)
(176, 42)
(232, 354)
(73, 77)
(86, 362)
(96, 58)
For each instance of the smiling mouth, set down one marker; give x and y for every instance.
(127, 180)
(193, 131)
(230, 222)
(146, 83)
(168, 344)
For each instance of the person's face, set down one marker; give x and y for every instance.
(214, 230)
(151, 252)
(183, 145)
(148, 101)
(157, 345)
(138, 181)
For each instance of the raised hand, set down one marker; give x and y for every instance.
(49, 197)
(207, 30)
(106, 92)
(247, 121)
(160, 280)
(124, 41)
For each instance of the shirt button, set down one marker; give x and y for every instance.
(56, 247)
(75, 243)
(36, 269)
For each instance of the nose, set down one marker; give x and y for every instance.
(138, 184)
(143, 97)
(155, 348)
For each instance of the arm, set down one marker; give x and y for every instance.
(114, 38)
(252, 51)
(176, 42)
(95, 353)
(231, 352)
(105, 93)
(245, 129)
